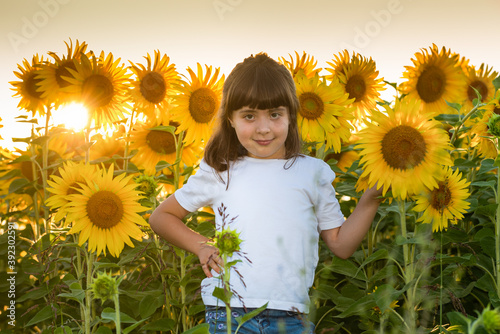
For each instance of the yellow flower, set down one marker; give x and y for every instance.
(323, 112)
(480, 79)
(197, 104)
(154, 144)
(436, 78)
(110, 148)
(358, 76)
(306, 64)
(445, 203)
(152, 86)
(29, 86)
(71, 174)
(52, 75)
(481, 138)
(403, 149)
(101, 85)
(105, 213)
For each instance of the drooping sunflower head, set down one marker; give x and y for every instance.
(105, 287)
(53, 75)
(445, 203)
(306, 64)
(324, 113)
(402, 148)
(258, 82)
(358, 76)
(101, 84)
(197, 102)
(437, 77)
(156, 142)
(109, 148)
(28, 89)
(152, 86)
(105, 213)
(482, 137)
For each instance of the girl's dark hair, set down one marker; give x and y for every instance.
(258, 82)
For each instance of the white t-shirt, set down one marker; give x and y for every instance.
(279, 212)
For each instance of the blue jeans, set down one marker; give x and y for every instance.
(266, 322)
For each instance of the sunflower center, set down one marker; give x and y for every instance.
(356, 87)
(480, 87)
(105, 209)
(153, 87)
(403, 147)
(97, 91)
(63, 71)
(203, 104)
(440, 197)
(496, 110)
(161, 141)
(431, 84)
(311, 105)
(32, 84)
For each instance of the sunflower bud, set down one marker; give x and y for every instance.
(494, 125)
(147, 185)
(105, 287)
(227, 241)
(491, 320)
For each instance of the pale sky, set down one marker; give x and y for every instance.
(223, 32)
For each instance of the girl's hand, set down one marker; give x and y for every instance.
(210, 259)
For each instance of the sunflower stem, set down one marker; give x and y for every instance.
(408, 266)
(36, 230)
(88, 291)
(183, 291)
(462, 121)
(127, 140)
(116, 300)
(45, 163)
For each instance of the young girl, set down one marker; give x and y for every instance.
(282, 202)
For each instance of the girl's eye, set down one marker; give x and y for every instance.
(248, 117)
(275, 115)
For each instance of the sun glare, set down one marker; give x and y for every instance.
(73, 116)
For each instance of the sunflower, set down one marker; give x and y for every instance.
(480, 79)
(445, 203)
(402, 149)
(105, 212)
(101, 85)
(109, 147)
(323, 112)
(306, 63)
(436, 78)
(197, 103)
(52, 75)
(358, 76)
(28, 88)
(481, 138)
(152, 86)
(154, 144)
(71, 175)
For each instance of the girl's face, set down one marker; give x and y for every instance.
(262, 132)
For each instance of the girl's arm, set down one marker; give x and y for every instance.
(166, 221)
(344, 240)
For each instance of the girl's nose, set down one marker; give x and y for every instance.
(263, 126)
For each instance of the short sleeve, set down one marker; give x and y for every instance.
(200, 189)
(327, 205)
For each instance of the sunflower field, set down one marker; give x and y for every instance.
(78, 255)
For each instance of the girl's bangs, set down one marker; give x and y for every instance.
(260, 93)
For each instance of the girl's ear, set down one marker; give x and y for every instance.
(231, 122)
